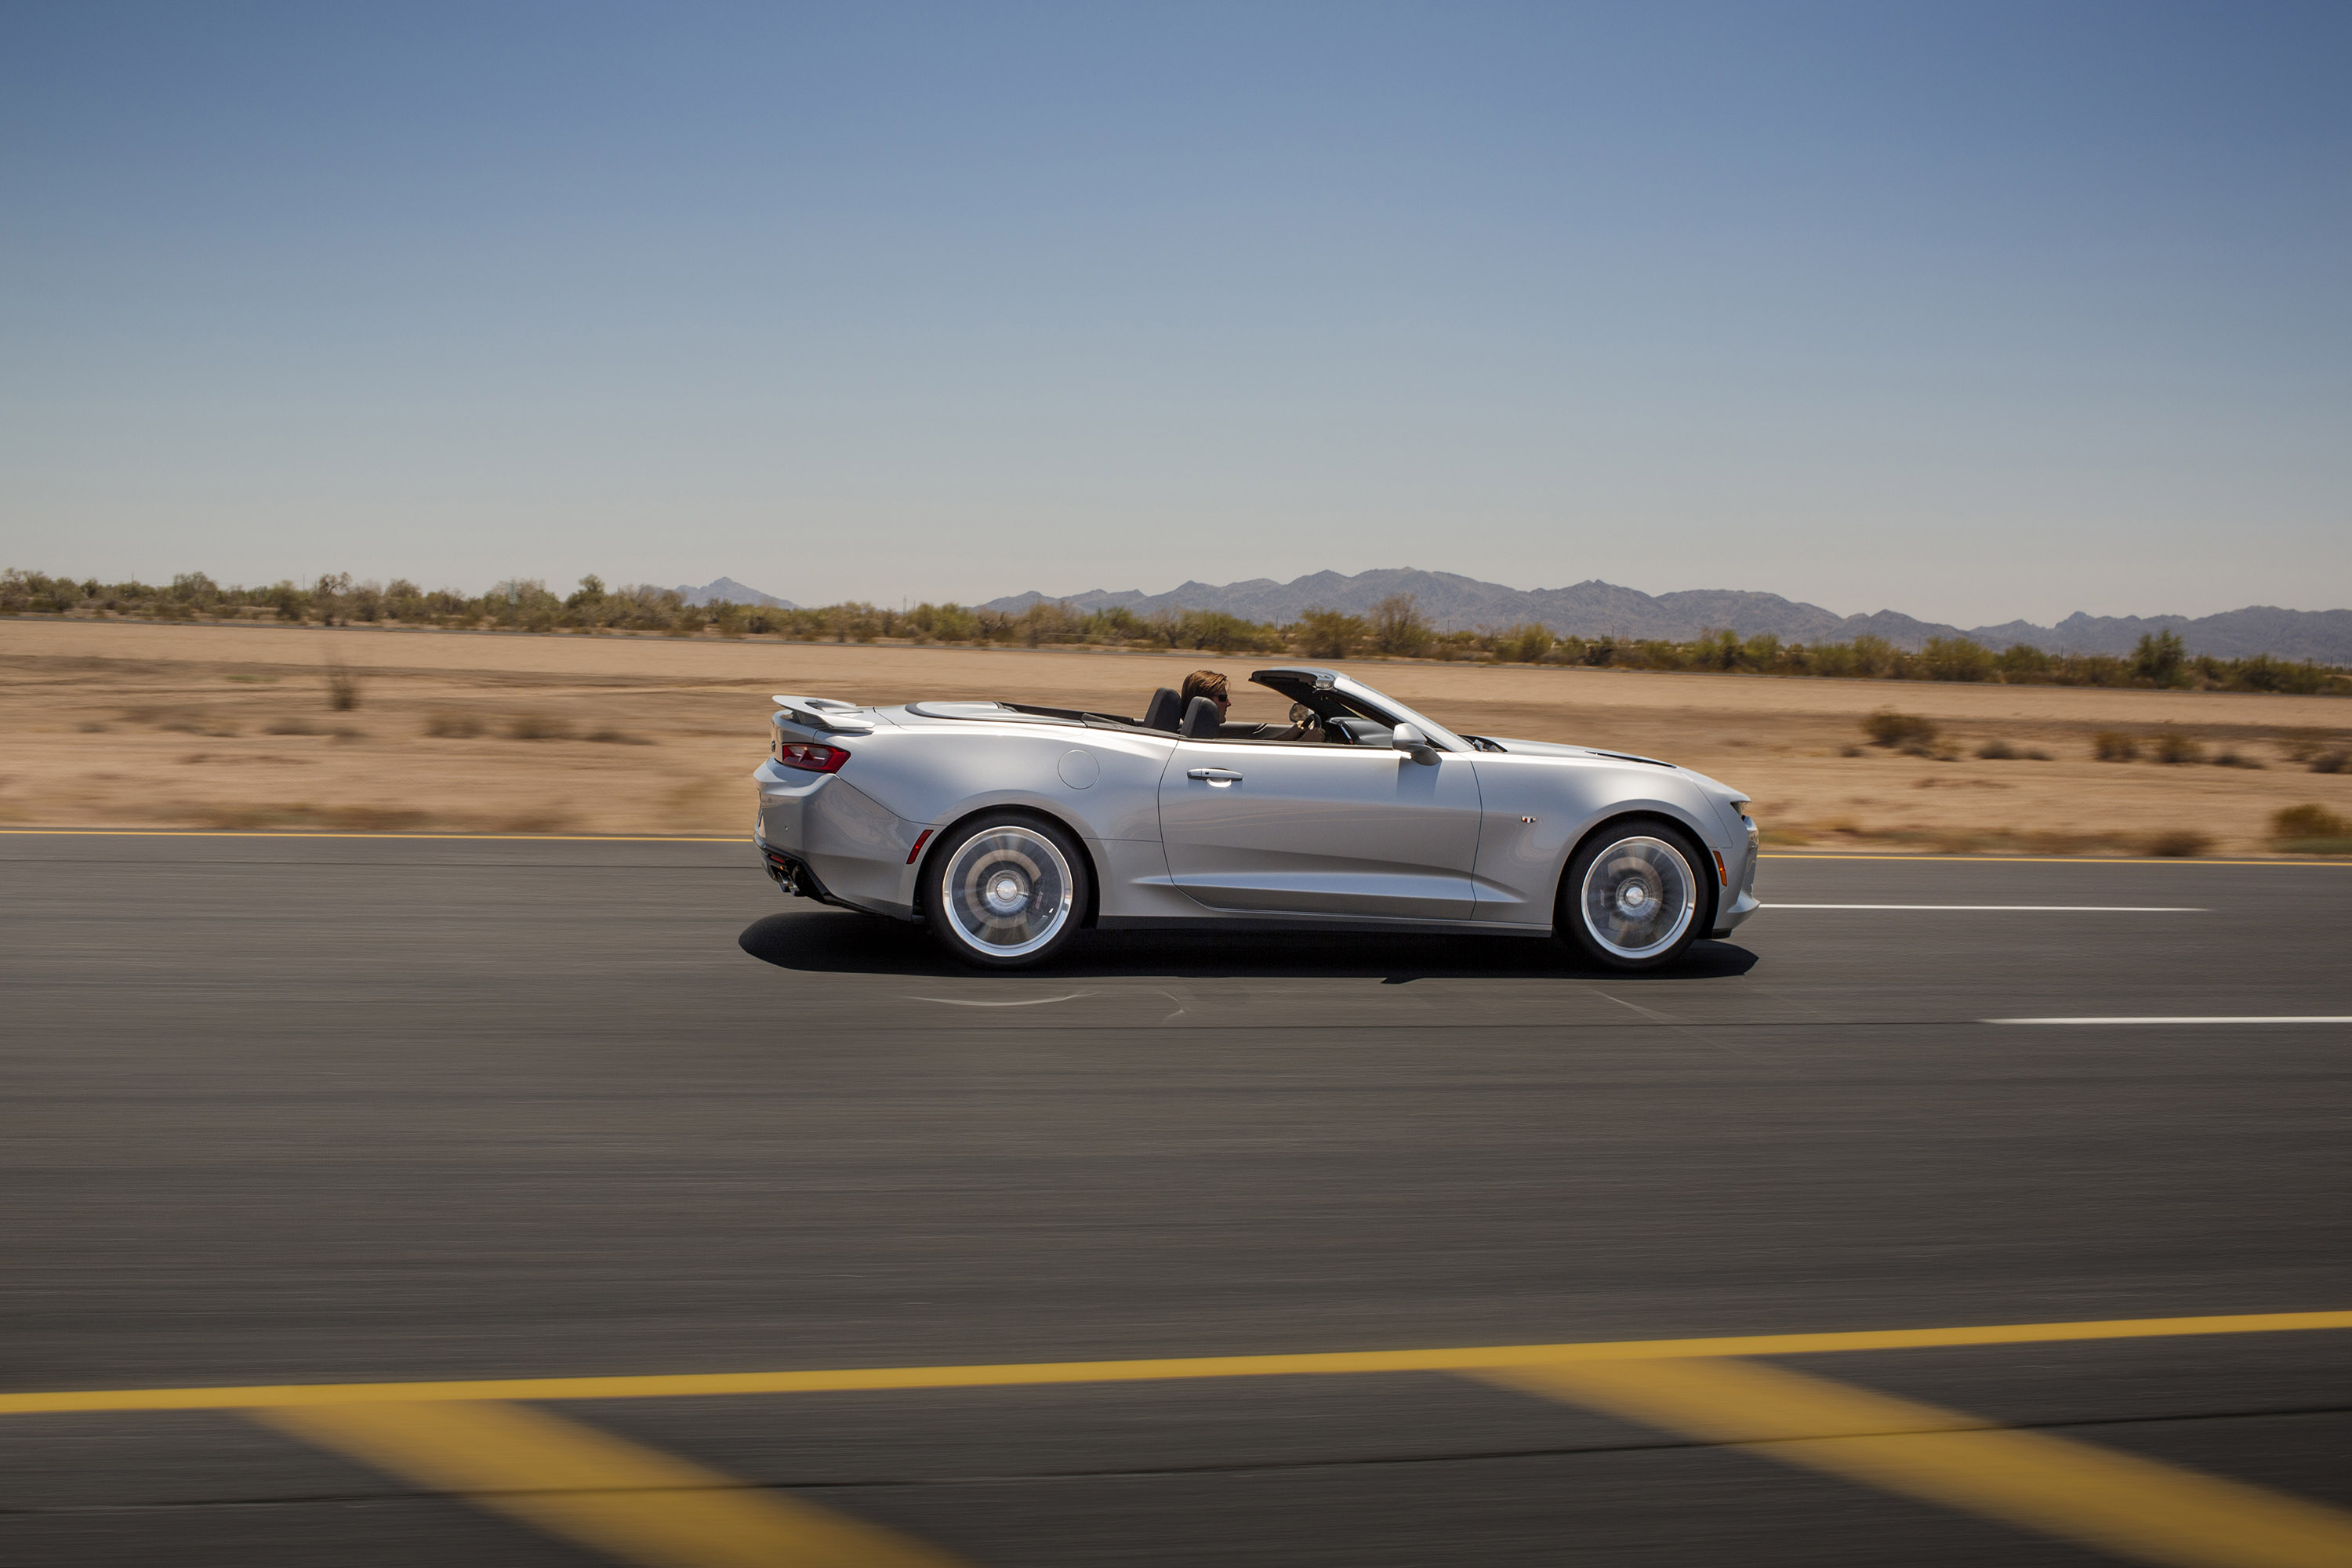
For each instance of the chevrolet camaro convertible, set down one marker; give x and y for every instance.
(1009, 827)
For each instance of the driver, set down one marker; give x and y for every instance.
(1208, 683)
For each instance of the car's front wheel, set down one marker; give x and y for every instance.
(1006, 892)
(1632, 898)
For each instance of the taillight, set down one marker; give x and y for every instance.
(810, 756)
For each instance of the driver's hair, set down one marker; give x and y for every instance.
(1208, 683)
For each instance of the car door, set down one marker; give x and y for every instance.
(1320, 830)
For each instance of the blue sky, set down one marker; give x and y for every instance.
(1969, 311)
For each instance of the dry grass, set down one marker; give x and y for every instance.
(343, 687)
(655, 735)
(1909, 733)
(2178, 844)
(2311, 829)
(302, 815)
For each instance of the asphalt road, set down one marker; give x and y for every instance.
(352, 1110)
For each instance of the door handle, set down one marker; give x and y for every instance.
(1217, 777)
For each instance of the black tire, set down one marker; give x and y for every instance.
(1636, 896)
(1006, 890)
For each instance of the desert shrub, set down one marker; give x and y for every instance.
(1399, 627)
(618, 737)
(453, 726)
(2159, 659)
(2178, 844)
(1328, 633)
(538, 727)
(1524, 645)
(2301, 823)
(2174, 747)
(942, 623)
(2228, 758)
(1877, 657)
(2024, 662)
(343, 688)
(289, 725)
(1957, 658)
(1996, 751)
(2113, 746)
(1713, 650)
(1908, 730)
(2331, 762)
(1218, 632)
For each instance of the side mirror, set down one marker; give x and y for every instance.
(1408, 739)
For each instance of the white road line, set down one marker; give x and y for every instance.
(1025, 1002)
(2020, 909)
(2273, 1018)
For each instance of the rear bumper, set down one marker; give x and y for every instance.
(841, 840)
(793, 874)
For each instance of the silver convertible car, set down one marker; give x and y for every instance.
(1009, 827)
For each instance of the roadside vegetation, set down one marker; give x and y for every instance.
(2311, 830)
(1916, 735)
(1395, 629)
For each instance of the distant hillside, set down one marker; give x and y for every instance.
(734, 593)
(1596, 609)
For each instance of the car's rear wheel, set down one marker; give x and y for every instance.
(1632, 897)
(1006, 892)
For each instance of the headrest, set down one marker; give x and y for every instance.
(1201, 719)
(1166, 711)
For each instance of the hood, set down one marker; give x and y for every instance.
(1555, 748)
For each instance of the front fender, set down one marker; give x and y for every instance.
(1520, 861)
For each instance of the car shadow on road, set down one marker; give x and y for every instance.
(833, 942)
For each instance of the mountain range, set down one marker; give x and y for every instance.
(1596, 609)
(729, 591)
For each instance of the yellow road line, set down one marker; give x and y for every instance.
(592, 1487)
(467, 838)
(686, 1385)
(2115, 1502)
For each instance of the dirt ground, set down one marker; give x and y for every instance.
(122, 725)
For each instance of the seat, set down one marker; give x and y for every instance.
(1166, 712)
(1200, 721)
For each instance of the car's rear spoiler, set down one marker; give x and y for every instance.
(828, 714)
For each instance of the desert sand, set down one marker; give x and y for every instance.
(127, 725)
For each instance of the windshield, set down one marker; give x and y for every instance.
(1333, 694)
